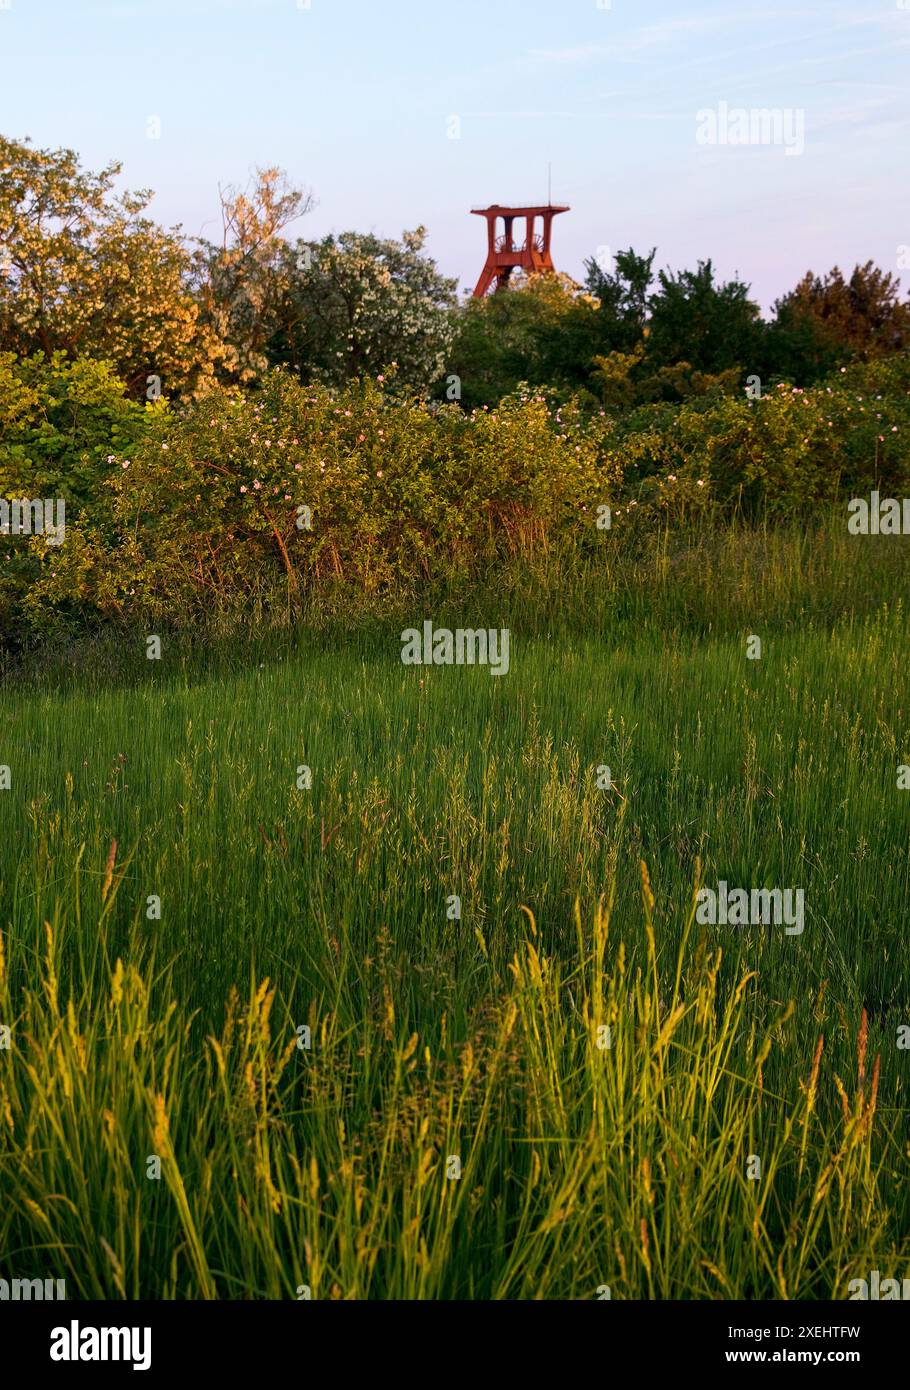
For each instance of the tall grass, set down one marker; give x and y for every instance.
(436, 1038)
(580, 1166)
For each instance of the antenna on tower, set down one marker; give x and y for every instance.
(549, 185)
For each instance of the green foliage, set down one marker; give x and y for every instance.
(208, 510)
(711, 326)
(623, 297)
(828, 321)
(782, 454)
(693, 335)
(83, 272)
(358, 306)
(61, 424)
(617, 343)
(626, 379)
(541, 330)
(61, 421)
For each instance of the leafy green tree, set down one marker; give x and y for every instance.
(357, 305)
(710, 326)
(82, 271)
(646, 366)
(61, 424)
(542, 330)
(547, 330)
(623, 298)
(827, 321)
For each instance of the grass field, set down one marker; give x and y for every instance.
(457, 1127)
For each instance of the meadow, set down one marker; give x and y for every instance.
(255, 1051)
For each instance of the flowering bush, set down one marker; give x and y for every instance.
(777, 455)
(249, 498)
(241, 496)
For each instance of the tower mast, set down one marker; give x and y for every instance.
(504, 254)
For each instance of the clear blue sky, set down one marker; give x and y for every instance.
(354, 99)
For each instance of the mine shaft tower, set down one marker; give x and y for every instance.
(504, 255)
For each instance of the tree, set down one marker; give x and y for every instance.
(357, 306)
(827, 321)
(247, 279)
(548, 330)
(623, 297)
(83, 272)
(540, 329)
(710, 326)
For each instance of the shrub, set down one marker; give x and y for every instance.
(778, 455)
(210, 511)
(61, 424)
(260, 498)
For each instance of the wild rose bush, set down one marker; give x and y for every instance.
(207, 510)
(779, 455)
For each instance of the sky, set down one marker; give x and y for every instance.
(396, 113)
